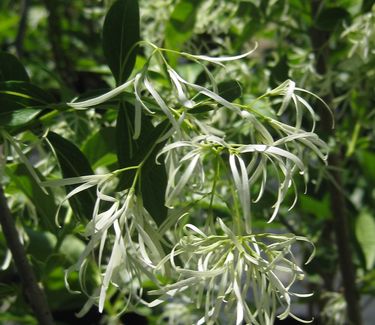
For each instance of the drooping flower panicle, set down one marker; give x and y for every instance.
(217, 267)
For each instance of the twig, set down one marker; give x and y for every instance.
(34, 293)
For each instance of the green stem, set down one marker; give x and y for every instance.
(236, 217)
(354, 139)
(213, 190)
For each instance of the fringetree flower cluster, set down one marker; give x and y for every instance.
(213, 263)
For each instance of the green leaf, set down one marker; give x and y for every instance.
(330, 18)
(72, 248)
(247, 9)
(279, 72)
(8, 23)
(253, 18)
(19, 90)
(120, 34)
(15, 318)
(125, 145)
(365, 233)
(58, 296)
(201, 109)
(20, 102)
(189, 71)
(100, 148)
(230, 90)
(7, 290)
(368, 283)
(11, 68)
(18, 117)
(41, 243)
(153, 185)
(73, 163)
(181, 24)
(367, 5)
(319, 208)
(44, 203)
(132, 152)
(367, 161)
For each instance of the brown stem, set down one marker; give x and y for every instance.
(18, 43)
(348, 272)
(63, 64)
(319, 40)
(34, 293)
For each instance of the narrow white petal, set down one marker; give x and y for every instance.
(102, 98)
(222, 58)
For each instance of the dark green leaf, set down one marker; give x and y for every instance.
(59, 298)
(365, 230)
(367, 162)
(330, 18)
(11, 68)
(201, 109)
(15, 318)
(230, 90)
(120, 34)
(367, 5)
(100, 148)
(247, 9)
(251, 27)
(153, 185)
(264, 6)
(318, 208)
(20, 102)
(7, 290)
(72, 248)
(252, 16)
(18, 117)
(124, 135)
(280, 72)
(368, 283)
(132, 152)
(145, 145)
(24, 90)
(73, 163)
(41, 243)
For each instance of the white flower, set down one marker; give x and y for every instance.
(186, 165)
(224, 269)
(226, 272)
(126, 229)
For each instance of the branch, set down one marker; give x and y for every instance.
(32, 290)
(319, 42)
(18, 43)
(63, 64)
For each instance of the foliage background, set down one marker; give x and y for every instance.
(325, 46)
